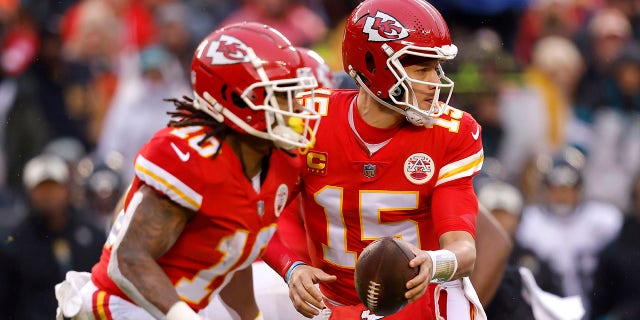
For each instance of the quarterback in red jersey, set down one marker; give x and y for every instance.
(390, 159)
(208, 188)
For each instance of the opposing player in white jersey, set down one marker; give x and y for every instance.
(208, 188)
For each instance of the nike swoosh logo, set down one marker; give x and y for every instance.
(182, 155)
(476, 134)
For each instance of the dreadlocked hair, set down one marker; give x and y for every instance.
(187, 115)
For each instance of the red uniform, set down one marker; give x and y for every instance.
(417, 186)
(232, 222)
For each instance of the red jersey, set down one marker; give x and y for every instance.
(232, 224)
(416, 185)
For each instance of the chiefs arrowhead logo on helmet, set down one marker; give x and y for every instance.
(227, 50)
(383, 27)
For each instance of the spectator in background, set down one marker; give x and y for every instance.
(615, 287)
(51, 77)
(201, 16)
(545, 18)
(504, 202)
(614, 149)
(138, 109)
(601, 41)
(24, 131)
(545, 100)
(631, 9)
(519, 295)
(99, 37)
(52, 240)
(574, 229)
(500, 15)
(293, 18)
(173, 18)
(103, 188)
(485, 69)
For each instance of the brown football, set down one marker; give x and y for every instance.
(381, 275)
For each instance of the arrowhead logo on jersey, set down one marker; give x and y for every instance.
(369, 170)
(419, 168)
(227, 50)
(383, 27)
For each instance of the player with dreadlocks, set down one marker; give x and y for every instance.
(187, 115)
(208, 188)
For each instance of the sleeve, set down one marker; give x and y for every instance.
(454, 202)
(279, 256)
(158, 164)
(455, 207)
(291, 230)
(464, 154)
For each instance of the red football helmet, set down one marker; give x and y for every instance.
(319, 67)
(238, 71)
(381, 32)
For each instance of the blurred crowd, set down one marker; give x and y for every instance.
(555, 85)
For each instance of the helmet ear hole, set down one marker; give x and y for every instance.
(398, 92)
(370, 62)
(223, 92)
(235, 98)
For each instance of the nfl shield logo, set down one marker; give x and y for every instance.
(369, 170)
(260, 208)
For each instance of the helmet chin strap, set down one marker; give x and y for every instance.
(413, 116)
(418, 119)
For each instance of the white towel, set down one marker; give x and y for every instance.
(547, 306)
(460, 296)
(472, 296)
(68, 294)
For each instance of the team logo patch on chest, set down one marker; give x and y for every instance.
(419, 168)
(369, 170)
(282, 194)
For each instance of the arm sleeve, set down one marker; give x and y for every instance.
(280, 257)
(455, 207)
(454, 202)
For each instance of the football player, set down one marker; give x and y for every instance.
(208, 188)
(271, 293)
(390, 159)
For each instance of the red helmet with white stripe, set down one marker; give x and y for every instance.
(319, 67)
(379, 34)
(239, 73)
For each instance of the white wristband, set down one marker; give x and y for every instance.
(444, 265)
(181, 311)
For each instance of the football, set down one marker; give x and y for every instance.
(381, 274)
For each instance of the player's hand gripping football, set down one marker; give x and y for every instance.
(418, 285)
(305, 296)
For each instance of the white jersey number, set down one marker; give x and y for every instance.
(373, 205)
